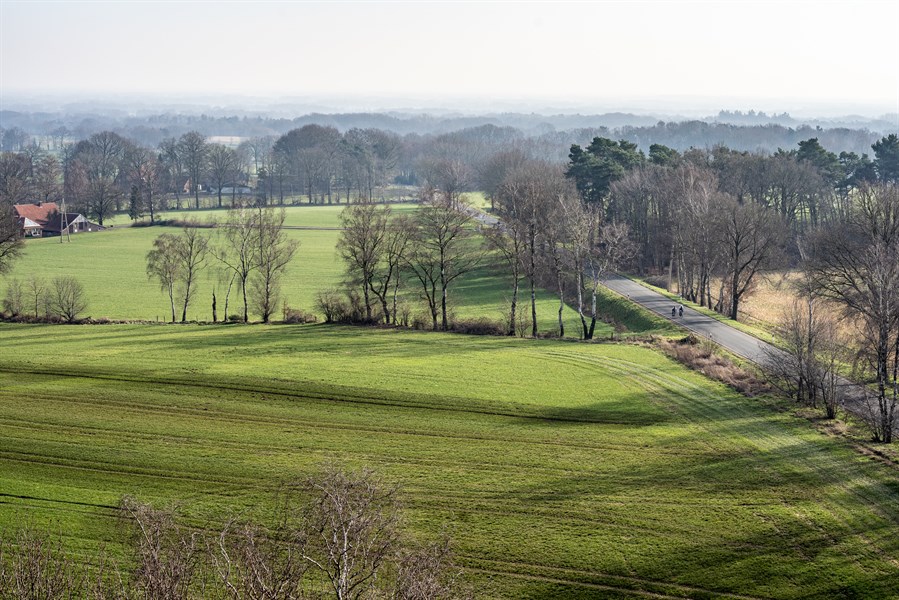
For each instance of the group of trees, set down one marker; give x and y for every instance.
(336, 535)
(252, 251)
(60, 299)
(549, 235)
(383, 252)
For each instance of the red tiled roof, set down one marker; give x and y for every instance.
(39, 214)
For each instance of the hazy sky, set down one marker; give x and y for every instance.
(768, 55)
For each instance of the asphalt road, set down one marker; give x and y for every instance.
(741, 344)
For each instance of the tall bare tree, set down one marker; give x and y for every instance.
(99, 163)
(236, 249)
(856, 264)
(442, 251)
(272, 252)
(192, 249)
(752, 239)
(164, 265)
(193, 151)
(224, 164)
(361, 245)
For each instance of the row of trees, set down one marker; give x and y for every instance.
(336, 535)
(252, 251)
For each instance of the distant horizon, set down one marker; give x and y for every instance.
(686, 107)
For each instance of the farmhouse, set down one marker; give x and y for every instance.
(44, 218)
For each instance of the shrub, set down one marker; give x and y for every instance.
(14, 302)
(479, 326)
(332, 303)
(297, 315)
(67, 299)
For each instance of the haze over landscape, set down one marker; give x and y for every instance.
(806, 58)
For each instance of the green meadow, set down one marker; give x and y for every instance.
(111, 265)
(561, 469)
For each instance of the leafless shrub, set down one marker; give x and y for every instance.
(297, 315)
(256, 563)
(813, 349)
(14, 301)
(37, 570)
(353, 528)
(428, 573)
(67, 299)
(479, 326)
(333, 303)
(166, 555)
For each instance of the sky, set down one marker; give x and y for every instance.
(838, 57)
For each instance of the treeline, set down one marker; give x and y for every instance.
(713, 221)
(743, 131)
(336, 535)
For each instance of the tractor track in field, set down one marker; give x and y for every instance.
(335, 398)
(627, 584)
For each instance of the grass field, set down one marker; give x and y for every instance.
(562, 469)
(111, 265)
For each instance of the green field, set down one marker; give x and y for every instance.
(562, 469)
(111, 265)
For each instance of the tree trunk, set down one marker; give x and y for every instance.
(243, 288)
(214, 315)
(561, 305)
(172, 300)
(512, 310)
(735, 299)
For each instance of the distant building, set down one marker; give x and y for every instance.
(44, 218)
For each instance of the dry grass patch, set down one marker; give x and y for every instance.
(700, 356)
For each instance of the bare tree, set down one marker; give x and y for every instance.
(15, 179)
(258, 563)
(442, 251)
(525, 198)
(508, 240)
(361, 245)
(752, 239)
(10, 240)
(806, 364)
(172, 166)
(353, 528)
(236, 249)
(193, 153)
(856, 264)
(192, 248)
(428, 572)
(223, 167)
(14, 300)
(388, 275)
(271, 253)
(144, 172)
(67, 299)
(98, 162)
(164, 264)
(37, 293)
(39, 570)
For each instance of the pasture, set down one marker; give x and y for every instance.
(561, 469)
(111, 265)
